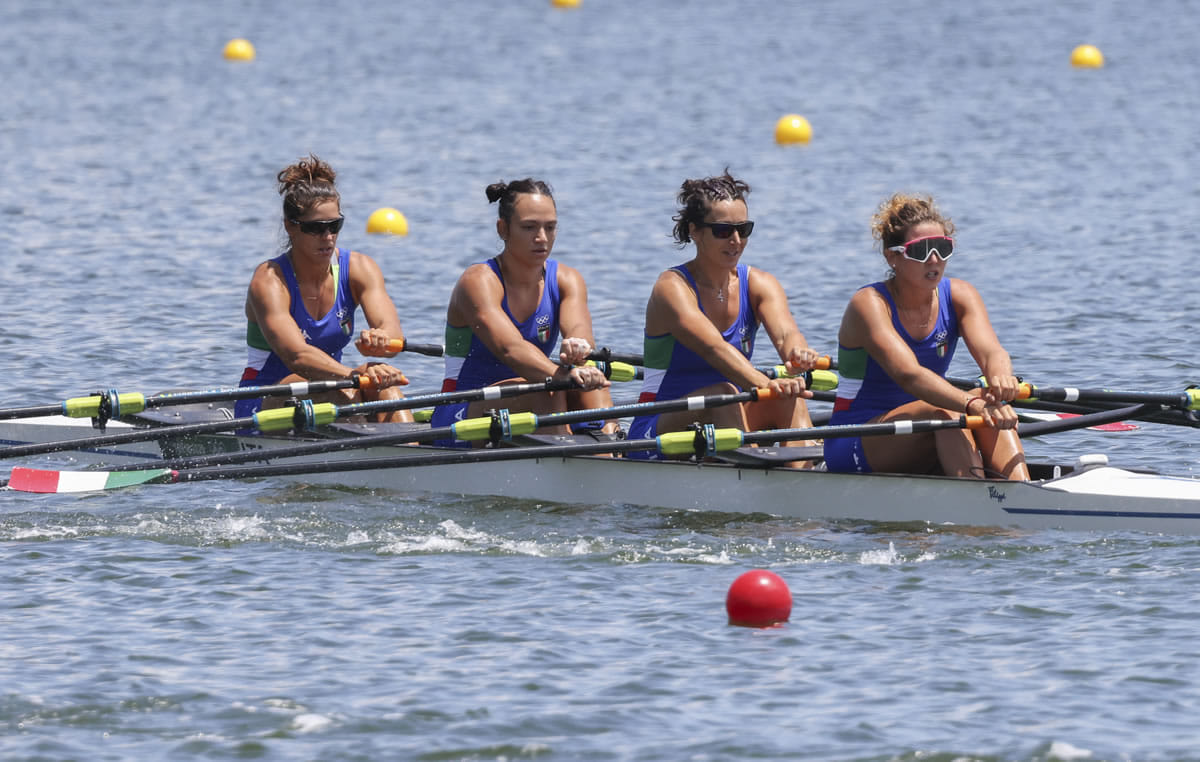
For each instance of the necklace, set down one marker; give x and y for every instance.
(718, 290)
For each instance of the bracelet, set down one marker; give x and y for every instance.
(967, 407)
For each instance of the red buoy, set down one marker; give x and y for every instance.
(758, 598)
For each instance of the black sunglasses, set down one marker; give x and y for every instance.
(320, 227)
(921, 249)
(725, 229)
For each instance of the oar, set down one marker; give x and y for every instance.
(500, 425)
(304, 415)
(603, 354)
(707, 441)
(1085, 421)
(118, 404)
(1189, 399)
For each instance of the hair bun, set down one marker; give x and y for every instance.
(496, 191)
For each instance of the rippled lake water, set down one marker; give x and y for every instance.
(288, 621)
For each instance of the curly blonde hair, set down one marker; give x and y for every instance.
(901, 212)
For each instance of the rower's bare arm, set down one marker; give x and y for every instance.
(269, 305)
(771, 306)
(982, 342)
(370, 291)
(867, 323)
(476, 301)
(672, 309)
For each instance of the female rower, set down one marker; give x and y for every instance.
(300, 305)
(702, 318)
(506, 314)
(895, 345)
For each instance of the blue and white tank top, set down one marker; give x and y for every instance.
(471, 365)
(672, 370)
(865, 390)
(330, 333)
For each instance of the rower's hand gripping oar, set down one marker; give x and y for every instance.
(709, 442)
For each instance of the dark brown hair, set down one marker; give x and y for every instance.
(696, 198)
(506, 194)
(305, 184)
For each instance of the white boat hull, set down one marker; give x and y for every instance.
(1095, 498)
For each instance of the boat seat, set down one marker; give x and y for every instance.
(765, 457)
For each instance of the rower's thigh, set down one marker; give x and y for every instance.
(912, 453)
(790, 413)
(725, 416)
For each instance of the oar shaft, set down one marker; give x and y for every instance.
(119, 404)
(671, 442)
(1188, 400)
(35, 411)
(604, 354)
(126, 437)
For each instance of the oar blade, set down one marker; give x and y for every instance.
(47, 481)
(1114, 426)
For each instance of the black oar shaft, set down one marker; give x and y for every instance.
(36, 411)
(603, 354)
(126, 437)
(553, 451)
(440, 433)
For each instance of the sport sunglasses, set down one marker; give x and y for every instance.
(725, 229)
(320, 227)
(920, 249)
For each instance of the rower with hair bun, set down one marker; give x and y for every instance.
(300, 305)
(895, 346)
(506, 314)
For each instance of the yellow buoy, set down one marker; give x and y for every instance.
(239, 50)
(565, 3)
(387, 220)
(1087, 57)
(792, 128)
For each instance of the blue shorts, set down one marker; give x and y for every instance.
(448, 415)
(846, 455)
(644, 427)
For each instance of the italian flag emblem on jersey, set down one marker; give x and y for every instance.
(941, 349)
(543, 333)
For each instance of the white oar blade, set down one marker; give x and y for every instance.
(46, 481)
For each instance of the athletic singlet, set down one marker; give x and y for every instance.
(866, 391)
(471, 365)
(672, 370)
(330, 334)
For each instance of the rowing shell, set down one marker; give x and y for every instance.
(1087, 495)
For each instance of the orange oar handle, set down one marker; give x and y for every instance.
(365, 382)
(824, 362)
(976, 422)
(764, 393)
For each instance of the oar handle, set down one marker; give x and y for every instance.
(403, 345)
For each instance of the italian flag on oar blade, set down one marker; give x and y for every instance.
(38, 480)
